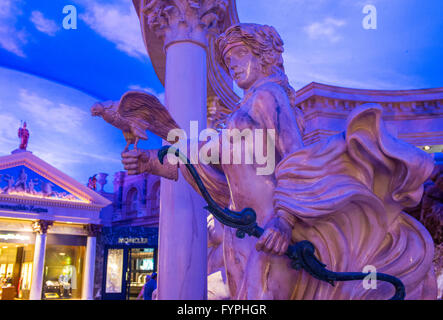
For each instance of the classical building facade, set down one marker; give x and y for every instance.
(415, 116)
(61, 240)
(48, 229)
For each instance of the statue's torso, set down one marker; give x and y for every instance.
(247, 188)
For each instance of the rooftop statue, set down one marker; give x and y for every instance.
(92, 182)
(23, 134)
(345, 194)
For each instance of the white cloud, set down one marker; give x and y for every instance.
(42, 24)
(325, 42)
(320, 67)
(327, 29)
(9, 126)
(8, 133)
(62, 155)
(12, 39)
(118, 23)
(60, 134)
(62, 118)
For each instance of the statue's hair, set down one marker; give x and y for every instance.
(264, 42)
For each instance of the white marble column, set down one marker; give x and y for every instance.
(89, 268)
(182, 235)
(41, 227)
(182, 257)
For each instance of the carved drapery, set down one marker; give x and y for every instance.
(41, 226)
(185, 20)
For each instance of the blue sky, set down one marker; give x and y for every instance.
(50, 76)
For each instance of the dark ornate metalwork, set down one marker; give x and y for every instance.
(302, 253)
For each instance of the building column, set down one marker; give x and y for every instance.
(41, 228)
(89, 269)
(182, 262)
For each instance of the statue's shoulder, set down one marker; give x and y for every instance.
(271, 89)
(270, 95)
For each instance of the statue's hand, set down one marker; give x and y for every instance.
(135, 161)
(276, 237)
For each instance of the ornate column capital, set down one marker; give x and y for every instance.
(185, 20)
(42, 226)
(92, 229)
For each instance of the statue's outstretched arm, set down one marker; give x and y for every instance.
(141, 161)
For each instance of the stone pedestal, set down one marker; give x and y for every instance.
(19, 151)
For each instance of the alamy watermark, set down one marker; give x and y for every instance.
(370, 281)
(246, 146)
(70, 20)
(370, 20)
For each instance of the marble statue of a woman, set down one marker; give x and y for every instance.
(344, 194)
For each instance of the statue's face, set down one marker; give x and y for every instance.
(244, 66)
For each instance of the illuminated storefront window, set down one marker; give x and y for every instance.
(15, 270)
(63, 272)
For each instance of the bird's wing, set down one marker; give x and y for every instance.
(146, 112)
(139, 128)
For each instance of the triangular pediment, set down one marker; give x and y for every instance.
(27, 176)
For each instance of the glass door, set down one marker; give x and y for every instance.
(141, 264)
(115, 273)
(125, 271)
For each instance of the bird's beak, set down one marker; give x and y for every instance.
(94, 111)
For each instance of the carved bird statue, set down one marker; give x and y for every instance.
(135, 113)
